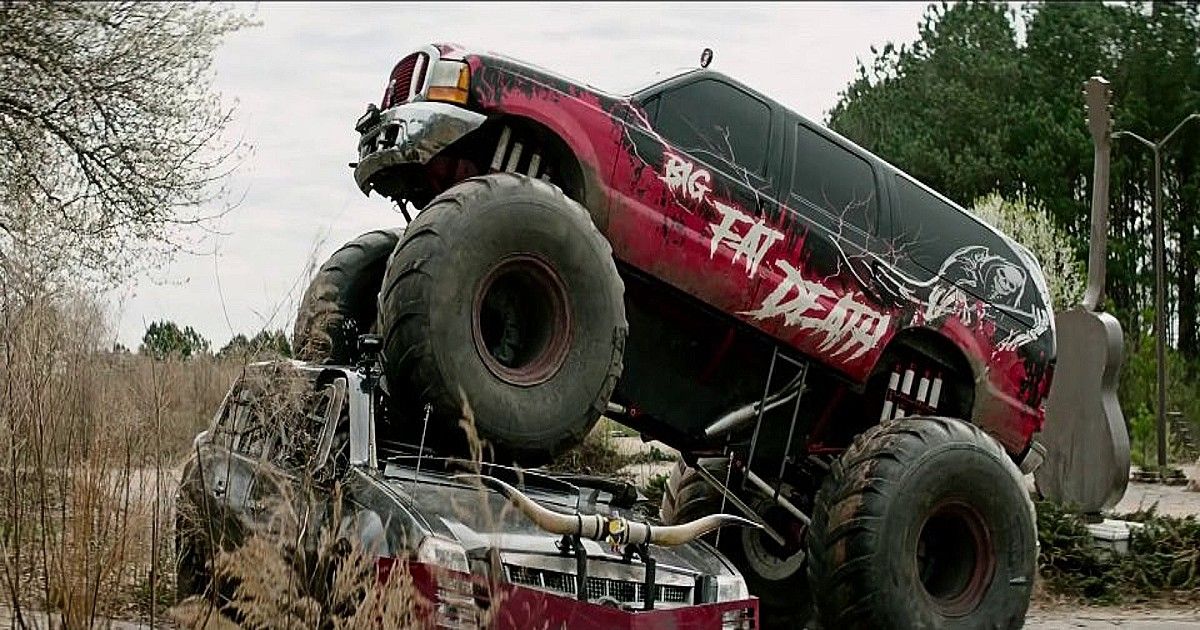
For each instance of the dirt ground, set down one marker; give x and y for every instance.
(1171, 500)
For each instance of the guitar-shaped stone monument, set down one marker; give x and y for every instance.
(1086, 440)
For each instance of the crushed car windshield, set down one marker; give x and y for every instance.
(276, 417)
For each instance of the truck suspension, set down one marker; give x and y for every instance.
(912, 391)
(510, 150)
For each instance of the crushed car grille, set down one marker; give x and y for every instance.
(624, 591)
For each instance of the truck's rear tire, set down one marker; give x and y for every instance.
(775, 576)
(923, 523)
(340, 302)
(503, 297)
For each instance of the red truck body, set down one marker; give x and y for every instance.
(746, 253)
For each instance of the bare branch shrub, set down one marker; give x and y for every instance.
(111, 139)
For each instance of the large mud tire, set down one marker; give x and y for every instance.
(340, 302)
(503, 299)
(923, 523)
(779, 582)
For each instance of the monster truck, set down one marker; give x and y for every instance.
(839, 352)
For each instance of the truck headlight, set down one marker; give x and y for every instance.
(731, 588)
(449, 82)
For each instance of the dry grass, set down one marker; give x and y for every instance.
(277, 580)
(91, 444)
(299, 568)
(88, 444)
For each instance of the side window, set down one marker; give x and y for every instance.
(711, 119)
(931, 230)
(304, 422)
(834, 180)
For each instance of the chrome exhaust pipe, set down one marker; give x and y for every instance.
(738, 417)
(617, 530)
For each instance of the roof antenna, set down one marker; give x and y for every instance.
(421, 448)
(706, 57)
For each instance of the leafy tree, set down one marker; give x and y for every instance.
(941, 108)
(971, 109)
(111, 139)
(166, 339)
(237, 346)
(272, 342)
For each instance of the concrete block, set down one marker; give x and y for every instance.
(1112, 535)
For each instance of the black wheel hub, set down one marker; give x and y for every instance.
(955, 558)
(521, 320)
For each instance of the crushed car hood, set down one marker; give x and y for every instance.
(479, 518)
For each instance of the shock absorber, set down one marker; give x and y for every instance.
(510, 160)
(889, 397)
(907, 394)
(906, 384)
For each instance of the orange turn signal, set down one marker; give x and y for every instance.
(449, 81)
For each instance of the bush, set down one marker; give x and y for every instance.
(1027, 223)
(1163, 558)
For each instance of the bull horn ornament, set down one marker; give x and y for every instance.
(614, 529)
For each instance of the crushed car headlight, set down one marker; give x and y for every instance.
(444, 553)
(455, 597)
(449, 82)
(730, 588)
(740, 619)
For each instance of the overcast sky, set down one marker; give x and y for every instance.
(302, 78)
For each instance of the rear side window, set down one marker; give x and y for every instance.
(839, 183)
(711, 119)
(930, 229)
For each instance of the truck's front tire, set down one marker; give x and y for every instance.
(923, 523)
(503, 297)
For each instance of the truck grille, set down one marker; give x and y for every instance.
(624, 591)
(408, 74)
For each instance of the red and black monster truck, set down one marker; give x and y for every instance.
(839, 352)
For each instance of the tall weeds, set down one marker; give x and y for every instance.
(88, 443)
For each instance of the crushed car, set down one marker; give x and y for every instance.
(521, 548)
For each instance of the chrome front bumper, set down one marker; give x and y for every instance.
(408, 134)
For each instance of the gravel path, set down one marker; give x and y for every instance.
(1171, 500)
(1096, 618)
